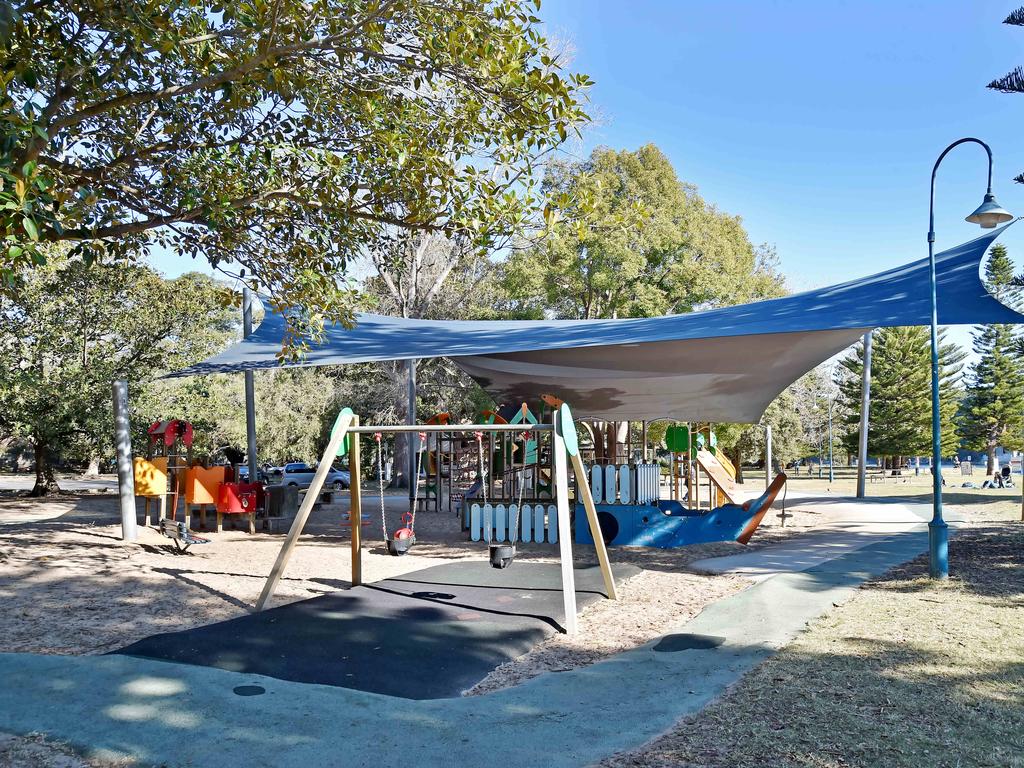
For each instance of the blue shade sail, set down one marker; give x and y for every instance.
(724, 364)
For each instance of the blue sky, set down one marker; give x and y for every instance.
(817, 122)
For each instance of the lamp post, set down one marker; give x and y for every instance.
(988, 215)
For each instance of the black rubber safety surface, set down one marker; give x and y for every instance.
(426, 635)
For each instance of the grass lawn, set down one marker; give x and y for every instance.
(910, 672)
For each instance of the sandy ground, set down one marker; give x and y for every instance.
(69, 585)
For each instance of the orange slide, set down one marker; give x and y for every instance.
(761, 505)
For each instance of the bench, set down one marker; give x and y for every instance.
(179, 533)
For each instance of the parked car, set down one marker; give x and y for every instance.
(300, 474)
(243, 474)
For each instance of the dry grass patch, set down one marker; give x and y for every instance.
(909, 673)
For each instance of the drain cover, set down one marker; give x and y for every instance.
(685, 641)
(249, 690)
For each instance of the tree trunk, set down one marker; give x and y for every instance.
(736, 463)
(46, 483)
(403, 441)
(94, 467)
(991, 467)
(597, 429)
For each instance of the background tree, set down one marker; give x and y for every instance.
(633, 241)
(71, 330)
(993, 407)
(900, 423)
(294, 407)
(646, 245)
(281, 137)
(423, 275)
(787, 432)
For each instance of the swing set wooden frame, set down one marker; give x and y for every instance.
(348, 424)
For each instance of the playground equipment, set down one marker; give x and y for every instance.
(453, 478)
(404, 537)
(238, 499)
(695, 452)
(167, 473)
(161, 475)
(490, 521)
(631, 511)
(201, 487)
(668, 524)
(564, 443)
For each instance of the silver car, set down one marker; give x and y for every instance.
(300, 474)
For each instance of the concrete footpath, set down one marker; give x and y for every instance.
(848, 526)
(179, 715)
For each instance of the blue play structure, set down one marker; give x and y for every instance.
(667, 524)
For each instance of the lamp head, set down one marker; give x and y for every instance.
(990, 213)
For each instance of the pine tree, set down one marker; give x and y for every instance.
(1012, 82)
(993, 409)
(900, 418)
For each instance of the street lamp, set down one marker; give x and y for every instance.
(988, 215)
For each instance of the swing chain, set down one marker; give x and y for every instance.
(380, 482)
(416, 493)
(480, 454)
(522, 487)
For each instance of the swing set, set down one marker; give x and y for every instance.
(564, 444)
(403, 538)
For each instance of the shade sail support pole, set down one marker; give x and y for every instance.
(250, 389)
(410, 419)
(865, 420)
(125, 477)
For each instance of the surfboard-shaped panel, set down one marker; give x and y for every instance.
(474, 522)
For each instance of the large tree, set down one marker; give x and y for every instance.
(293, 410)
(993, 408)
(646, 244)
(283, 137)
(71, 330)
(900, 423)
(632, 240)
(424, 275)
(788, 443)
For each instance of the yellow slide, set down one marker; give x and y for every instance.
(722, 474)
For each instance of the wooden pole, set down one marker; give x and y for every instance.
(344, 422)
(355, 512)
(564, 534)
(595, 527)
